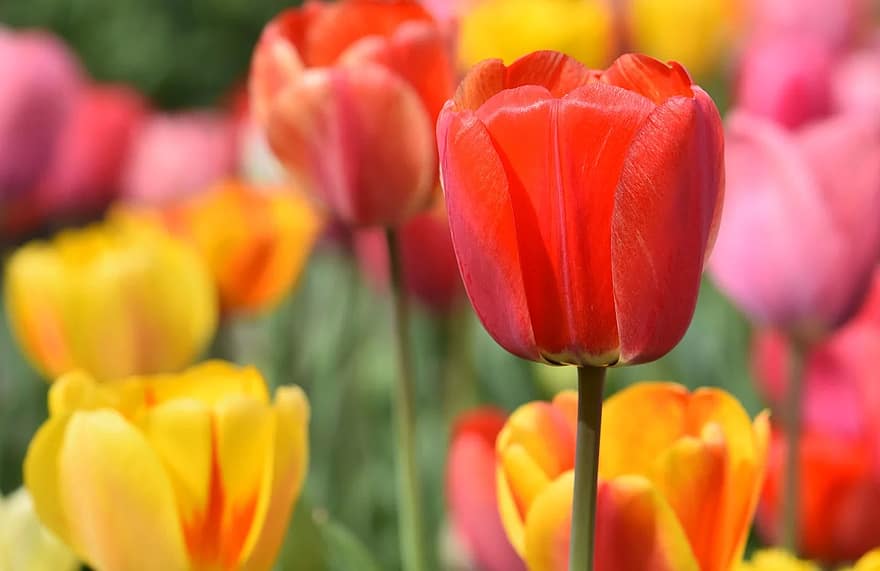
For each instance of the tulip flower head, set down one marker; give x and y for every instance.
(256, 241)
(679, 477)
(582, 203)
(24, 543)
(348, 93)
(114, 299)
(187, 472)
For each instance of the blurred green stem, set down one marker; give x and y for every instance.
(409, 500)
(591, 381)
(793, 414)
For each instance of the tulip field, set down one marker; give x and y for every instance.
(440, 285)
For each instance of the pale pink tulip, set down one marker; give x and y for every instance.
(834, 22)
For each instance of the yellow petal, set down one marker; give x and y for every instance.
(511, 517)
(777, 560)
(548, 526)
(245, 440)
(291, 467)
(525, 478)
(117, 496)
(869, 562)
(544, 433)
(25, 544)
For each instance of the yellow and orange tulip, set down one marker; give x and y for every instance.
(255, 240)
(193, 471)
(679, 478)
(510, 29)
(115, 299)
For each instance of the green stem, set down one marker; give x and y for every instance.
(591, 381)
(409, 500)
(793, 413)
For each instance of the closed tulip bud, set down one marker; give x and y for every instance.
(510, 29)
(471, 491)
(255, 240)
(179, 155)
(40, 80)
(348, 93)
(193, 471)
(114, 299)
(582, 203)
(25, 545)
(799, 237)
(679, 477)
(699, 34)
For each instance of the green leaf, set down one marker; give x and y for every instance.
(344, 551)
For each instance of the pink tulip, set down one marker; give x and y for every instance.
(799, 236)
(470, 489)
(786, 79)
(840, 451)
(833, 22)
(856, 83)
(179, 155)
(38, 82)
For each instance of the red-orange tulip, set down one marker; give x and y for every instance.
(582, 203)
(348, 93)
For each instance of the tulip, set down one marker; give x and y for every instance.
(429, 266)
(192, 471)
(870, 562)
(179, 155)
(861, 69)
(679, 479)
(776, 560)
(471, 491)
(348, 93)
(697, 34)
(510, 29)
(582, 203)
(39, 81)
(799, 237)
(25, 545)
(833, 22)
(115, 299)
(256, 241)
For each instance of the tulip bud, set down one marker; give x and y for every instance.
(114, 299)
(198, 470)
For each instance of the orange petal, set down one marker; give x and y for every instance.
(650, 77)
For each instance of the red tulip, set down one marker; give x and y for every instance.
(38, 83)
(179, 155)
(840, 449)
(348, 93)
(799, 237)
(582, 203)
(470, 489)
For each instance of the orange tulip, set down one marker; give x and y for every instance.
(255, 240)
(349, 93)
(679, 477)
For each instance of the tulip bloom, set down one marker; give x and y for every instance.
(471, 491)
(115, 299)
(255, 240)
(348, 93)
(582, 203)
(24, 543)
(799, 238)
(191, 471)
(510, 29)
(679, 476)
(836, 23)
(179, 155)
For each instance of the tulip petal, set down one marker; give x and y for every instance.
(563, 202)
(484, 230)
(636, 529)
(291, 455)
(664, 211)
(649, 77)
(548, 526)
(117, 496)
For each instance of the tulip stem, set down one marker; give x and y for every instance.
(793, 414)
(591, 384)
(409, 500)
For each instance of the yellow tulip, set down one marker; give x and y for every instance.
(255, 240)
(509, 29)
(679, 478)
(870, 562)
(115, 299)
(195, 471)
(776, 560)
(25, 545)
(696, 33)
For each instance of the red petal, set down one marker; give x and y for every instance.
(650, 77)
(563, 158)
(664, 212)
(481, 221)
